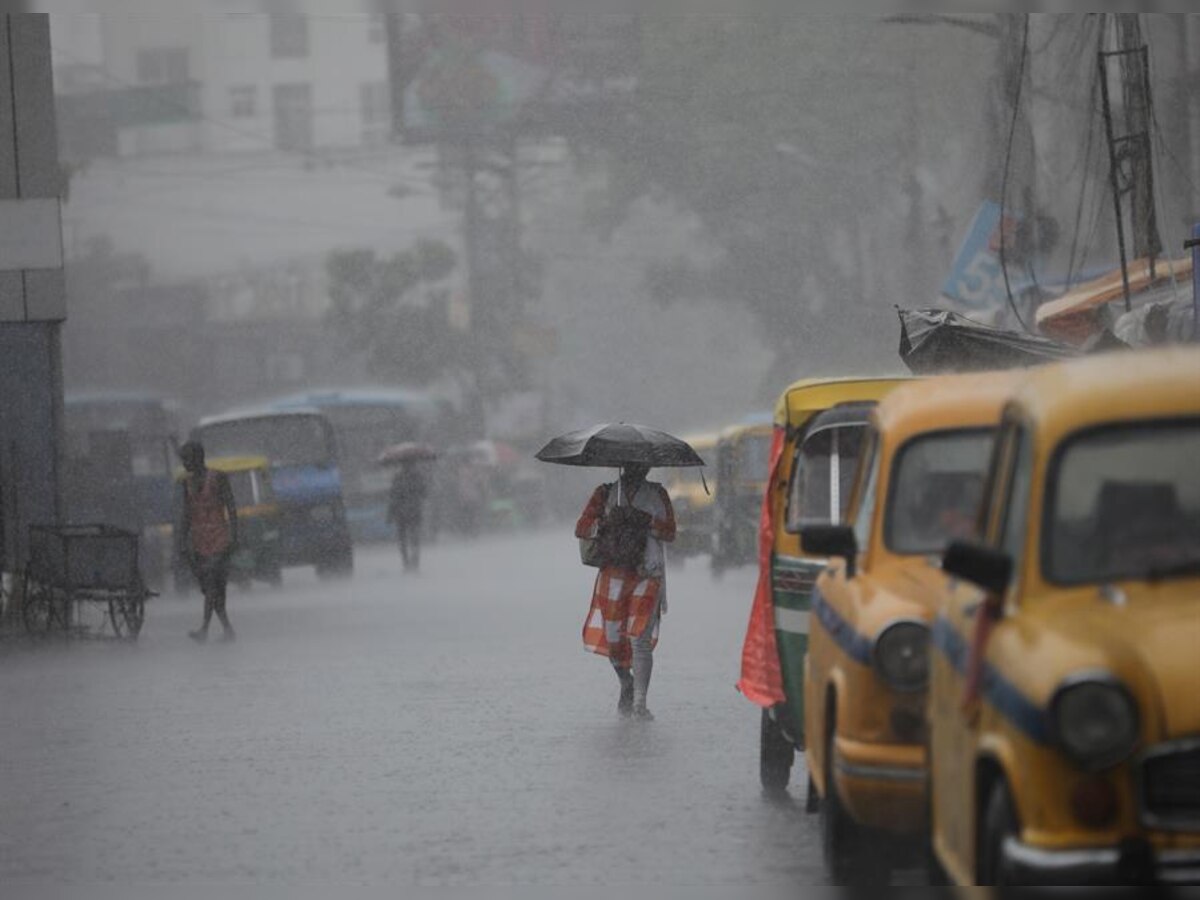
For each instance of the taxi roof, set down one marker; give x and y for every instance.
(802, 398)
(946, 402)
(1112, 387)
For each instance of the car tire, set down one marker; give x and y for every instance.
(850, 854)
(999, 824)
(775, 757)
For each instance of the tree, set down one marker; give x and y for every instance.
(395, 311)
(778, 132)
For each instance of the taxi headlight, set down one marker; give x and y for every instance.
(902, 656)
(1095, 722)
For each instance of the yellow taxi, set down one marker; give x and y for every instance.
(1064, 702)
(692, 495)
(816, 429)
(919, 486)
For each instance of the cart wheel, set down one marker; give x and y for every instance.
(128, 613)
(44, 610)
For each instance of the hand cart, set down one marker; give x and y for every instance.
(80, 579)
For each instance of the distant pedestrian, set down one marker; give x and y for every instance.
(405, 505)
(630, 519)
(207, 533)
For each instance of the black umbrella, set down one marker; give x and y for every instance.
(619, 444)
(938, 340)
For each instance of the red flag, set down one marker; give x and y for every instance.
(762, 677)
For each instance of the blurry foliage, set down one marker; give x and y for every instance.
(793, 139)
(775, 134)
(394, 310)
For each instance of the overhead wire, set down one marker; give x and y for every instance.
(1008, 157)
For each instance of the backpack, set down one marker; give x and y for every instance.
(620, 540)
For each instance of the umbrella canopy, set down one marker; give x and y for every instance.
(409, 451)
(619, 444)
(937, 340)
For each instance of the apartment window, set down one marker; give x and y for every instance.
(376, 29)
(293, 117)
(243, 101)
(289, 36)
(375, 103)
(162, 65)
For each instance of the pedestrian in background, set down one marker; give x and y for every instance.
(405, 504)
(207, 534)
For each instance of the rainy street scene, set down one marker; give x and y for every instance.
(653, 446)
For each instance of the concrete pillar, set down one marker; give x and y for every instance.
(32, 287)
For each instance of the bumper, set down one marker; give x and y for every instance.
(883, 785)
(1132, 862)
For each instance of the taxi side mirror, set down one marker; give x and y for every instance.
(831, 540)
(982, 566)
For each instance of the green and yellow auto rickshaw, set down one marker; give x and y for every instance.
(256, 557)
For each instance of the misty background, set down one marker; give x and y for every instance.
(555, 217)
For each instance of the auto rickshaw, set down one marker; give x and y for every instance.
(742, 458)
(692, 499)
(1064, 706)
(256, 557)
(923, 460)
(776, 645)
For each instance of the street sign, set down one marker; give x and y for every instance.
(977, 280)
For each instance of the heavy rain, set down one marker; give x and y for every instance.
(624, 445)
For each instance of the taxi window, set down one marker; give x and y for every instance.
(823, 476)
(937, 486)
(866, 503)
(1125, 503)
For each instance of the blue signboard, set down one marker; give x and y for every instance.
(977, 281)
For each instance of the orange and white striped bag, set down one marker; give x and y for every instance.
(623, 607)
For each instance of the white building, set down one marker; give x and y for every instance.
(282, 76)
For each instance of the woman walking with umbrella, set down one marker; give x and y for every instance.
(625, 525)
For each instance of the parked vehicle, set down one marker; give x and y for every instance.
(923, 460)
(692, 497)
(256, 557)
(365, 421)
(305, 477)
(1064, 710)
(777, 638)
(742, 459)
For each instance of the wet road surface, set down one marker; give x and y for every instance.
(444, 728)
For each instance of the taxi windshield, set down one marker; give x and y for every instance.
(937, 484)
(1125, 503)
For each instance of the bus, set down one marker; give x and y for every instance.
(365, 421)
(306, 476)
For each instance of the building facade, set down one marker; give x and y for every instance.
(288, 77)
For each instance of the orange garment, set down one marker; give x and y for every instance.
(208, 527)
(623, 607)
(762, 674)
(624, 602)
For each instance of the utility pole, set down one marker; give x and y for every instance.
(1130, 161)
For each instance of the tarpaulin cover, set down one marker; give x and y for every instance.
(934, 341)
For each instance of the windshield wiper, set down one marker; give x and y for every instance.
(1187, 567)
